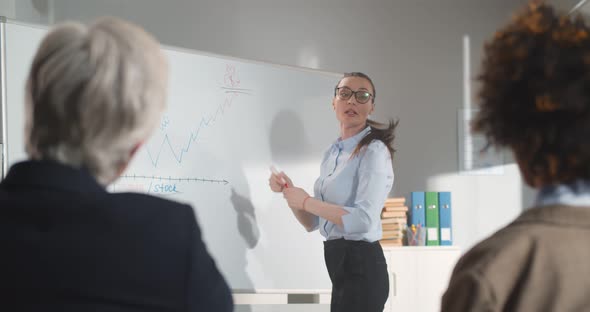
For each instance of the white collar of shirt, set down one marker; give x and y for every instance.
(574, 194)
(349, 144)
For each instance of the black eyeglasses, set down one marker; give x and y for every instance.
(361, 96)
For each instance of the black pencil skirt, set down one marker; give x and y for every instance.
(359, 275)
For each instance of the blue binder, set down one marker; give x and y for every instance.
(444, 213)
(417, 215)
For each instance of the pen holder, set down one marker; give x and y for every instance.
(417, 238)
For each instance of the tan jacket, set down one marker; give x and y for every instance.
(539, 262)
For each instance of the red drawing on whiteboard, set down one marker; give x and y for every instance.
(231, 78)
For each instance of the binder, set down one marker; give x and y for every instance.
(417, 216)
(432, 228)
(445, 212)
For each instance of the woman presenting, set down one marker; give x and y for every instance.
(356, 176)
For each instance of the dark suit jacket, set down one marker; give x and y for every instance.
(66, 244)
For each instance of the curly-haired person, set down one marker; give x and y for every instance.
(535, 100)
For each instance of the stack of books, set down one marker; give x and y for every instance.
(394, 221)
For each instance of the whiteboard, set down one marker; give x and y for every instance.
(227, 121)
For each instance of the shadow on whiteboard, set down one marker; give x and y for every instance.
(246, 219)
(288, 141)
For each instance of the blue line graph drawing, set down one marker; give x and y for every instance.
(172, 179)
(164, 123)
(158, 185)
(231, 83)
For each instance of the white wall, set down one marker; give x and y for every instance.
(585, 7)
(411, 48)
(7, 8)
(31, 11)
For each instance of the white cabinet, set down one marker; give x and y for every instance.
(418, 276)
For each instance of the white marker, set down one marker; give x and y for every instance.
(277, 173)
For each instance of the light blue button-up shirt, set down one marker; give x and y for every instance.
(359, 184)
(574, 194)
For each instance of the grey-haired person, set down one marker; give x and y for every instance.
(94, 94)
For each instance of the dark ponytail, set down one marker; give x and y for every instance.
(379, 131)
